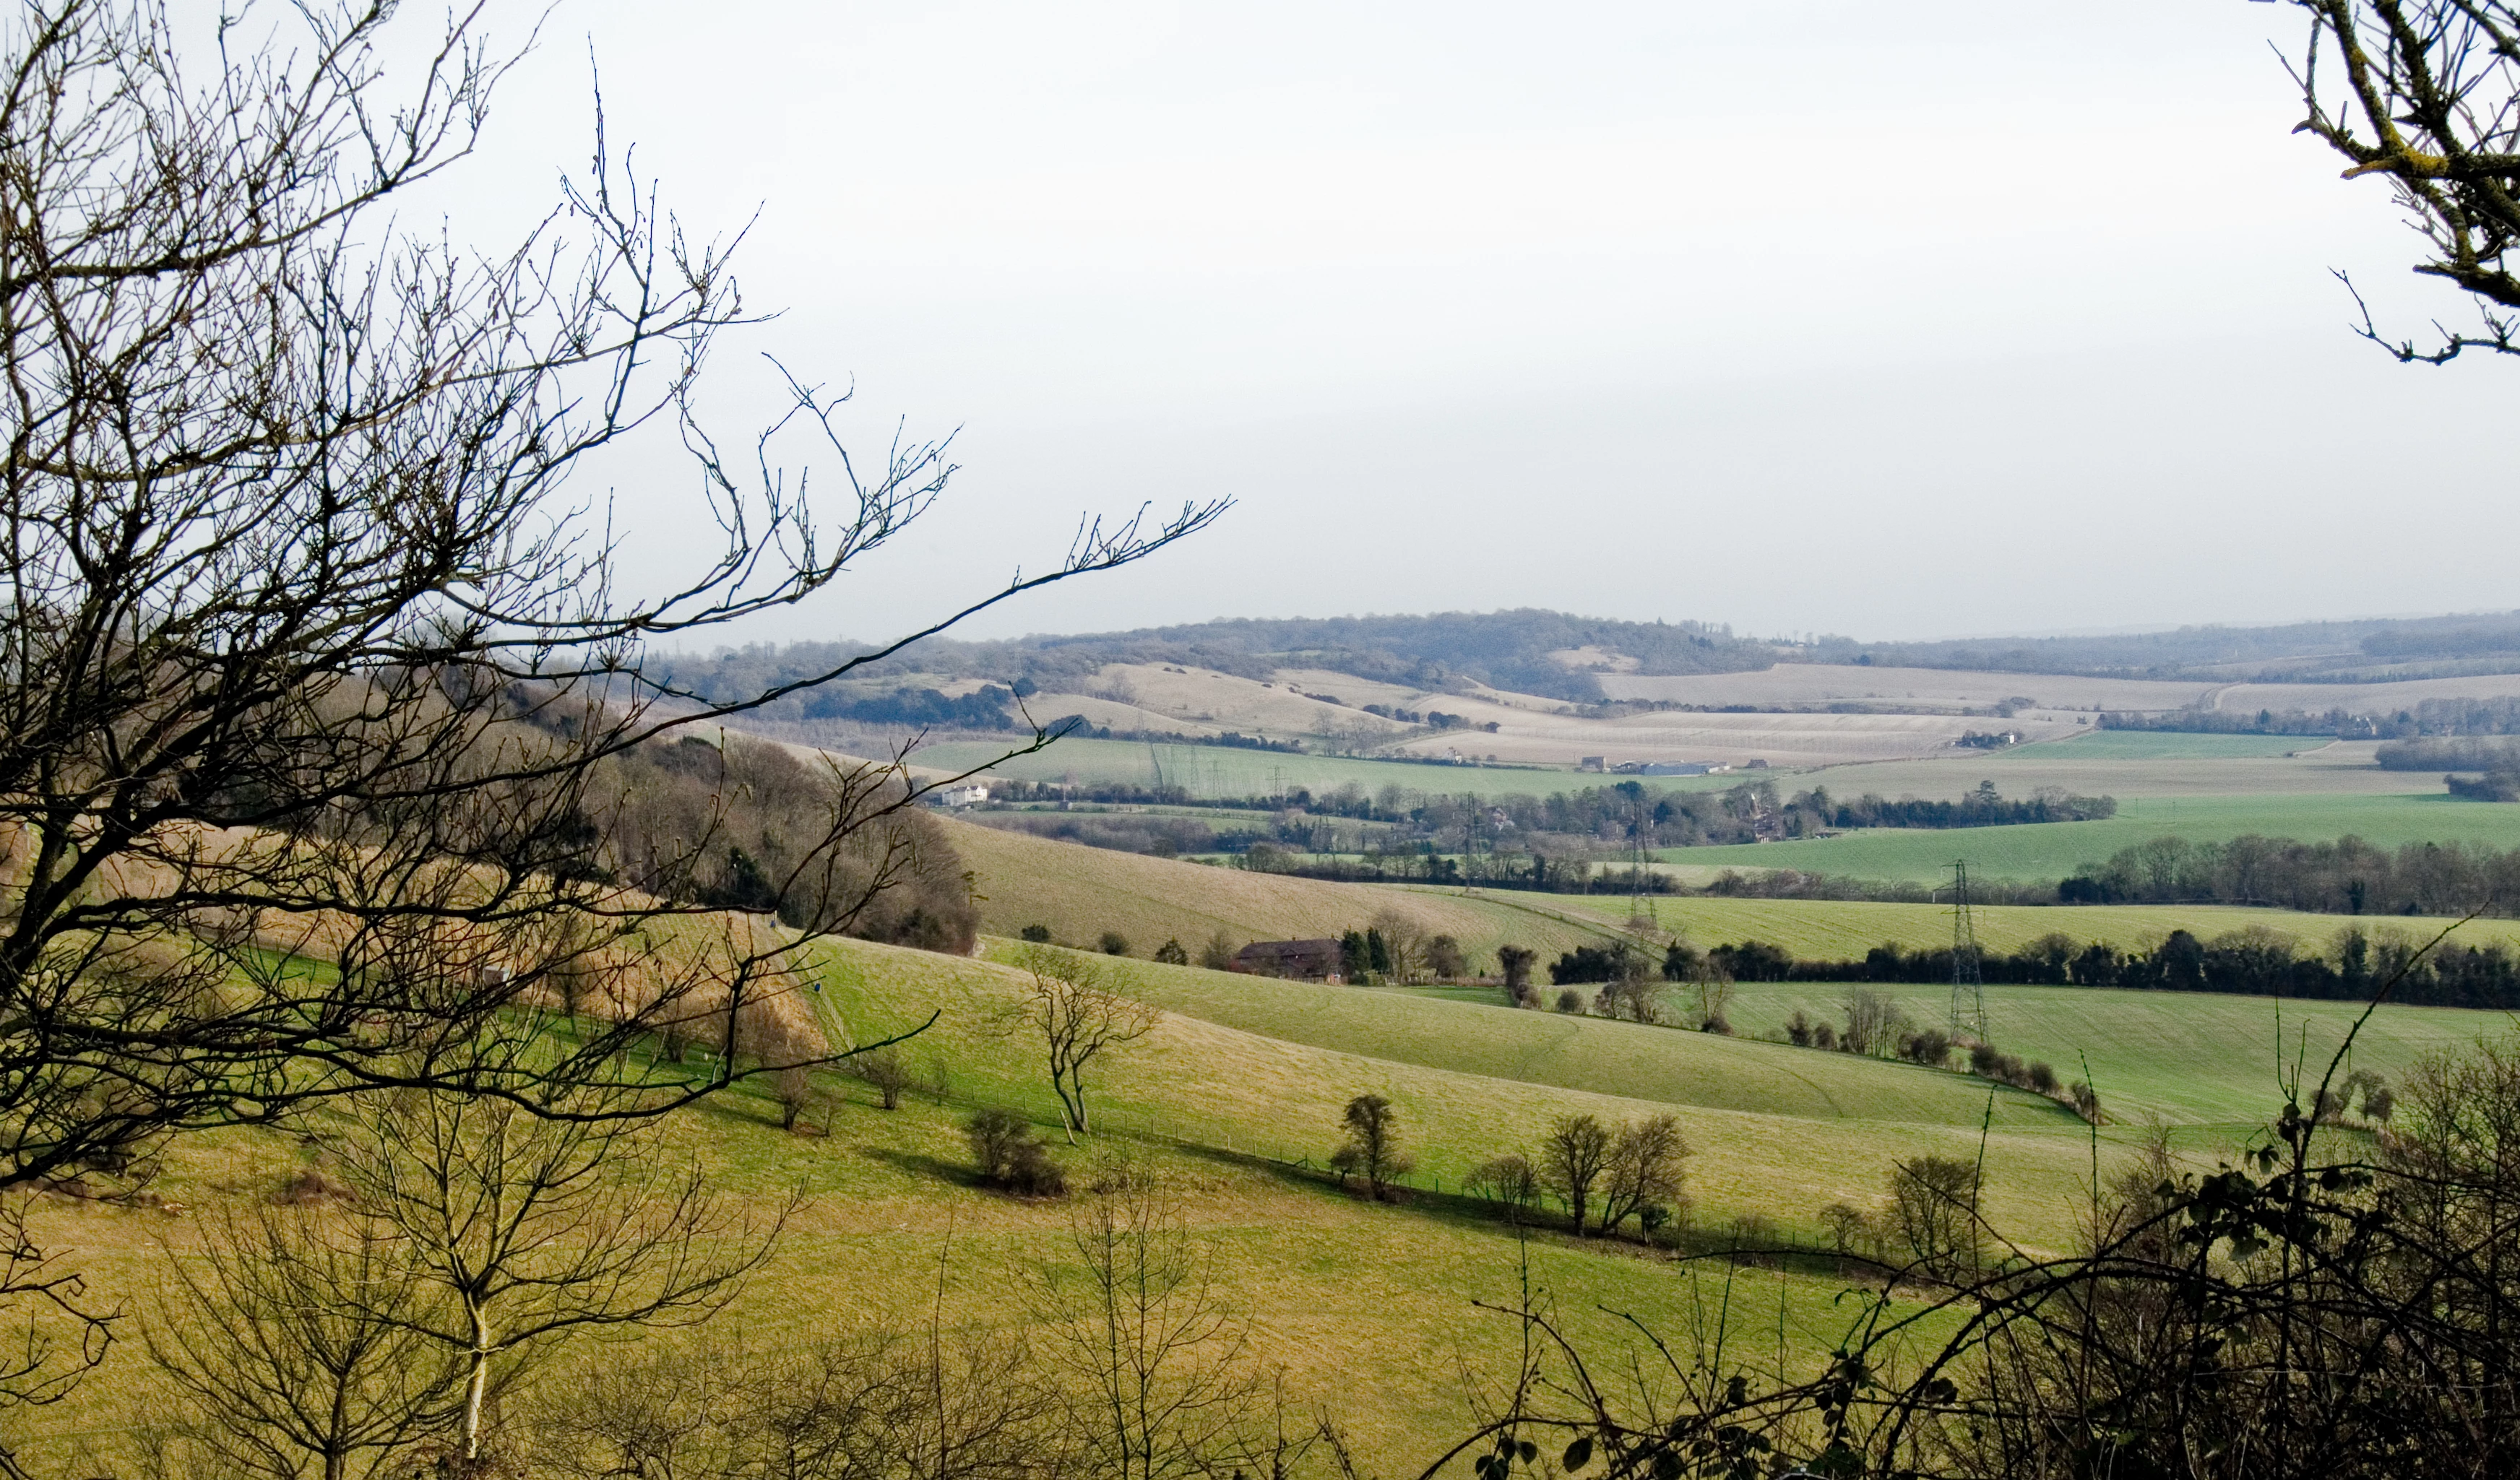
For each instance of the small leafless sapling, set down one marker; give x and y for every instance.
(1160, 1384)
(1069, 1004)
(532, 1225)
(298, 1336)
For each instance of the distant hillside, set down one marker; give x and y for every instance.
(947, 684)
(2350, 651)
(1503, 649)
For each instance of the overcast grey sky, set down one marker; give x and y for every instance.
(1891, 321)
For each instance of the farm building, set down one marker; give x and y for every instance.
(1294, 959)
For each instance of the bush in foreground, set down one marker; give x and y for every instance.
(1011, 1159)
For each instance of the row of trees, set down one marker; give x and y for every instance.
(2253, 960)
(1604, 1177)
(2346, 876)
(1396, 948)
(2426, 717)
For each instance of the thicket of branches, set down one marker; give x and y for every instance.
(310, 656)
(2327, 1305)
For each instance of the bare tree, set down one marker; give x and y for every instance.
(1509, 1180)
(1572, 1158)
(1406, 941)
(2426, 93)
(1072, 1007)
(1642, 1175)
(967, 1408)
(300, 1341)
(1934, 1215)
(529, 1228)
(1872, 1021)
(1162, 1386)
(1634, 993)
(306, 654)
(888, 1071)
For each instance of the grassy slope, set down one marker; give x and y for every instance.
(2053, 850)
(1367, 1309)
(1216, 1085)
(2183, 1058)
(1080, 893)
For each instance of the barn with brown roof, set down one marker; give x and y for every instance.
(1294, 959)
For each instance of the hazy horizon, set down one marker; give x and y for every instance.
(2024, 323)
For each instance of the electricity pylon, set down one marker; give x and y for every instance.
(1969, 988)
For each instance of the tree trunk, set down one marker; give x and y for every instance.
(477, 1386)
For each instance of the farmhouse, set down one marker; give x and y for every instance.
(1294, 959)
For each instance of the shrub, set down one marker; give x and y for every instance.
(795, 1090)
(2087, 1101)
(1798, 1029)
(1824, 1036)
(2042, 1079)
(887, 1071)
(1037, 934)
(1509, 1180)
(1850, 1228)
(1930, 1047)
(1112, 943)
(1570, 1000)
(1445, 961)
(1750, 1234)
(1218, 952)
(1009, 1157)
(1170, 953)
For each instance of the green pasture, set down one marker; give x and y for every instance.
(2040, 851)
(2186, 1058)
(1210, 1083)
(1567, 1051)
(1364, 1310)
(1834, 929)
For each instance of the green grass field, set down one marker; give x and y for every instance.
(1832, 930)
(2053, 850)
(2186, 1060)
(1233, 1100)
